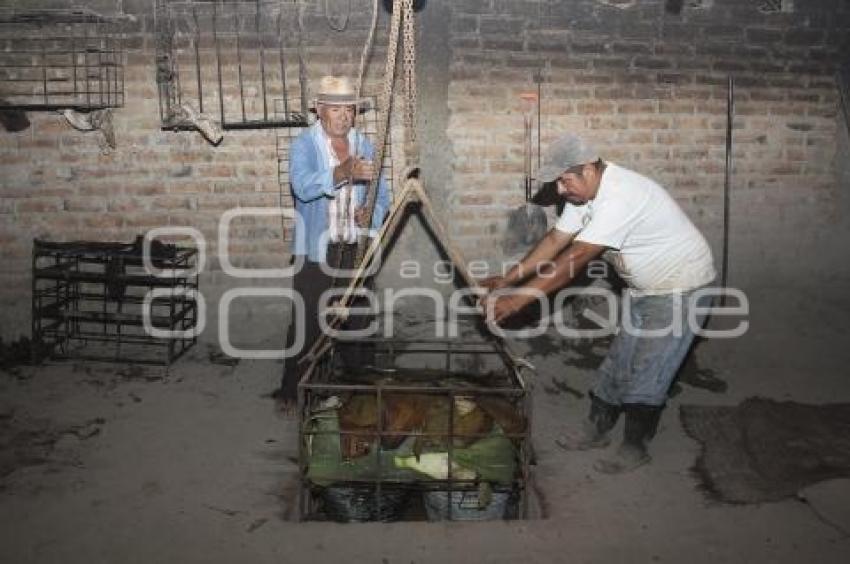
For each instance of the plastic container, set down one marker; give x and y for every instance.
(466, 506)
(348, 504)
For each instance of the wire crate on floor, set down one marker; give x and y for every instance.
(97, 301)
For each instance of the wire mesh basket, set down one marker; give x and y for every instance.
(448, 417)
(58, 59)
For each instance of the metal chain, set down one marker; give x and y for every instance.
(409, 70)
(384, 120)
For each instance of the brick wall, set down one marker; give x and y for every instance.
(60, 184)
(648, 87)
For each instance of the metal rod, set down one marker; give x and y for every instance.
(218, 62)
(43, 63)
(117, 56)
(282, 60)
(730, 109)
(239, 62)
(539, 103)
(74, 57)
(198, 60)
(100, 80)
(162, 88)
(428, 389)
(450, 452)
(379, 406)
(262, 64)
(86, 66)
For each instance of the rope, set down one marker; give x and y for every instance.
(367, 48)
(402, 9)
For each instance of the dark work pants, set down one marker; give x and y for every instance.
(310, 282)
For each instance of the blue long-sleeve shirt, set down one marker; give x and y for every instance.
(312, 181)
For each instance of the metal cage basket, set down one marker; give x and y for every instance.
(432, 417)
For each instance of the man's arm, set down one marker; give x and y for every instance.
(543, 252)
(310, 180)
(563, 271)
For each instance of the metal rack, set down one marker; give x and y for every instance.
(229, 57)
(59, 59)
(445, 369)
(87, 301)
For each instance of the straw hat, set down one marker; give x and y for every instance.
(338, 91)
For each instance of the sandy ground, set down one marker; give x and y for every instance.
(109, 463)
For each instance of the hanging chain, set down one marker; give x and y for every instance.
(401, 8)
(409, 69)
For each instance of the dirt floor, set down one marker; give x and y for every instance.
(110, 463)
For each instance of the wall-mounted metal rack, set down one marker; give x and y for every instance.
(227, 57)
(59, 59)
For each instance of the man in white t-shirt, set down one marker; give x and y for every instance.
(634, 224)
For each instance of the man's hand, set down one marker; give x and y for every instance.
(362, 170)
(361, 216)
(355, 170)
(493, 283)
(497, 308)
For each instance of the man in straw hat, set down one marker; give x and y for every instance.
(633, 222)
(330, 168)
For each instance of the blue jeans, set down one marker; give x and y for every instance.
(653, 340)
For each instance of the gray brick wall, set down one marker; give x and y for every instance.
(648, 87)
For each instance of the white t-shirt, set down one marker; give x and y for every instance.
(652, 244)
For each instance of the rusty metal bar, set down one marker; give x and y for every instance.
(198, 60)
(238, 64)
(262, 64)
(282, 60)
(218, 61)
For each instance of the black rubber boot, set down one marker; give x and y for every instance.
(641, 426)
(594, 433)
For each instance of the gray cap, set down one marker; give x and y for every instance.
(566, 151)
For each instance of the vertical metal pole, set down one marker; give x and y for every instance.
(117, 59)
(218, 62)
(730, 110)
(35, 312)
(450, 453)
(74, 57)
(539, 103)
(302, 67)
(42, 35)
(282, 59)
(101, 47)
(86, 65)
(161, 88)
(301, 408)
(198, 59)
(239, 61)
(120, 74)
(378, 485)
(262, 63)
